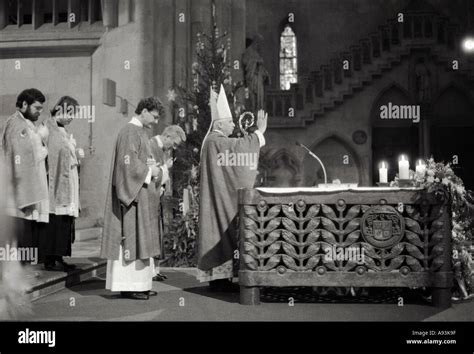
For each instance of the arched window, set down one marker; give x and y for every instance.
(288, 58)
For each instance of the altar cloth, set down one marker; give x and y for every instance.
(331, 189)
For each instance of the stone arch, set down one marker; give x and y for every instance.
(394, 93)
(338, 156)
(453, 106)
(452, 130)
(392, 137)
(282, 168)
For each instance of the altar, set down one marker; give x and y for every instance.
(344, 237)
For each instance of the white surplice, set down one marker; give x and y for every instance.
(129, 275)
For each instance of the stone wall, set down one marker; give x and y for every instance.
(326, 27)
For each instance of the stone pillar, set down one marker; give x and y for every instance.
(201, 22)
(182, 41)
(223, 15)
(74, 13)
(424, 132)
(165, 55)
(110, 13)
(124, 12)
(238, 33)
(145, 34)
(3, 14)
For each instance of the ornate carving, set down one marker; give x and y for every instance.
(382, 226)
(298, 237)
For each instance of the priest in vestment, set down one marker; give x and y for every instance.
(161, 149)
(21, 146)
(131, 238)
(56, 237)
(221, 177)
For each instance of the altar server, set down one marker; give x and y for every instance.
(221, 177)
(130, 238)
(56, 237)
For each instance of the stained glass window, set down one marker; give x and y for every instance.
(288, 59)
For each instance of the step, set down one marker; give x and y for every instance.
(84, 255)
(48, 282)
(88, 234)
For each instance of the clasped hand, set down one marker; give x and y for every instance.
(155, 167)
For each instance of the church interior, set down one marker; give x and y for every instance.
(322, 69)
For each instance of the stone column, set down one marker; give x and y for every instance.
(165, 22)
(182, 41)
(110, 13)
(424, 131)
(145, 35)
(3, 14)
(201, 18)
(238, 33)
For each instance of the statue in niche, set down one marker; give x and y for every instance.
(256, 76)
(423, 81)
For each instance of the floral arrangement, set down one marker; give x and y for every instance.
(180, 243)
(439, 178)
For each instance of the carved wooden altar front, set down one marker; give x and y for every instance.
(289, 237)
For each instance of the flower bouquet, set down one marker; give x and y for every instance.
(439, 178)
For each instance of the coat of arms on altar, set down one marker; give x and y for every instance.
(382, 226)
(382, 229)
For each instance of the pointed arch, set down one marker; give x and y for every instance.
(453, 106)
(394, 93)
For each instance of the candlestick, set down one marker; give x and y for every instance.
(403, 168)
(383, 176)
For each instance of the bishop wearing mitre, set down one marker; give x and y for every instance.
(221, 178)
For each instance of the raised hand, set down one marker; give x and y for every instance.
(262, 120)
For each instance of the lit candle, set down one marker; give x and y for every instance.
(420, 168)
(383, 173)
(403, 168)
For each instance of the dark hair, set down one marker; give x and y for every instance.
(65, 100)
(30, 96)
(150, 103)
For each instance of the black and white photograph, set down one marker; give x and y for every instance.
(244, 161)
